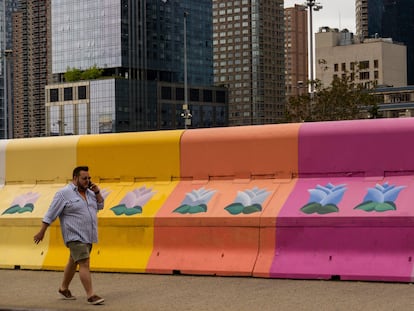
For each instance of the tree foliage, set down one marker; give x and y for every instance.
(74, 74)
(343, 99)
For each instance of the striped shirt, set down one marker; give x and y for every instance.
(78, 219)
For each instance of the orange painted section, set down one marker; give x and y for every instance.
(240, 152)
(226, 161)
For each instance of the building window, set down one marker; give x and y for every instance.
(375, 63)
(336, 67)
(179, 93)
(67, 93)
(82, 92)
(207, 96)
(220, 97)
(165, 92)
(194, 95)
(364, 65)
(376, 74)
(343, 67)
(364, 75)
(54, 95)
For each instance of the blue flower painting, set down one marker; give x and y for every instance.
(248, 201)
(324, 199)
(381, 198)
(195, 201)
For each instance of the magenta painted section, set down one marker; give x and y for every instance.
(363, 147)
(353, 244)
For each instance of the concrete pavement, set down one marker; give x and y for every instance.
(37, 290)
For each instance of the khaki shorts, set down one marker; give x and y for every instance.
(79, 250)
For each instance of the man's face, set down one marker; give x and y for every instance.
(82, 181)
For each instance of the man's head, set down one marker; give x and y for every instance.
(81, 177)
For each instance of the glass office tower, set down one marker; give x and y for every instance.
(138, 41)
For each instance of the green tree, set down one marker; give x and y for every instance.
(343, 99)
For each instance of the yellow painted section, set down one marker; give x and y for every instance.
(17, 230)
(129, 156)
(34, 167)
(46, 159)
(119, 164)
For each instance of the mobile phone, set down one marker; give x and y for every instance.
(90, 184)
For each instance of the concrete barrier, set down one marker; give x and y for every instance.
(312, 200)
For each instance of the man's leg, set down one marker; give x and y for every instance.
(68, 273)
(85, 276)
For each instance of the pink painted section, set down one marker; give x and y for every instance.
(368, 147)
(351, 244)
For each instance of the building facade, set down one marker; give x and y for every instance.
(141, 44)
(296, 50)
(248, 39)
(372, 62)
(101, 106)
(394, 102)
(388, 19)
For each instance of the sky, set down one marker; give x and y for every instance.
(335, 14)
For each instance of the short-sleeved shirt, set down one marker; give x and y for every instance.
(78, 217)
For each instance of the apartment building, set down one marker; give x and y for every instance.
(248, 40)
(30, 55)
(296, 50)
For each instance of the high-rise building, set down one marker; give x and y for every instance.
(388, 19)
(30, 49)
(248, 38)
(296, 50)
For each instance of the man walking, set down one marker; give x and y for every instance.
(76, 205)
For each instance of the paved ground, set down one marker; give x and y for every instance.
(37, 290)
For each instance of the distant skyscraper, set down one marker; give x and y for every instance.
(249, 59)
(296, 50)
(30, 48)
(388, 19)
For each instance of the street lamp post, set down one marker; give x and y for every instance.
(313, 6)
(186, 115)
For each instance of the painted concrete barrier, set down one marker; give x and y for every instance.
(350, 215)
(311, 200)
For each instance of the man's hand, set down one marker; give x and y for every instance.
(38, 237)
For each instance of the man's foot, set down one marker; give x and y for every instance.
(95, 300)
(66, 294)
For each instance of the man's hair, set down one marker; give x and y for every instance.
(77, 170)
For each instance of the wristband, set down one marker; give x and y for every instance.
(96, 193)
